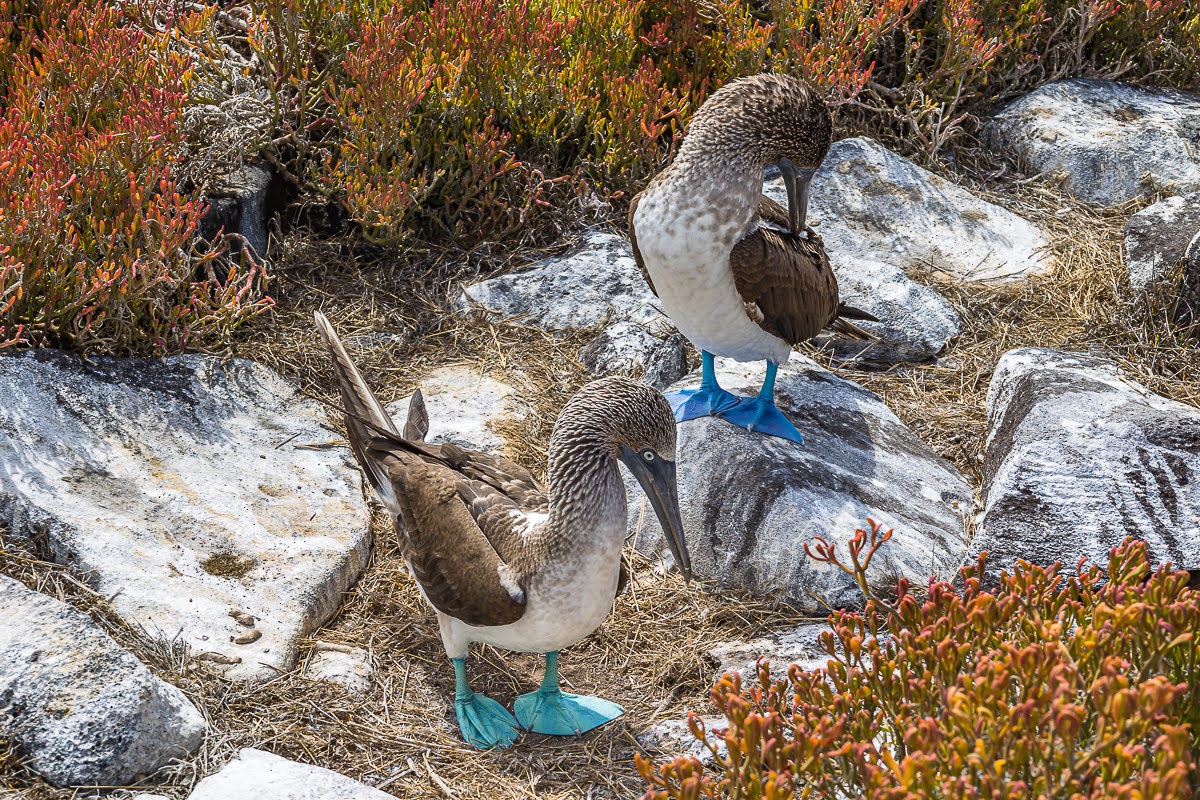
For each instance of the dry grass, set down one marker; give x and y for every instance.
(651, 655)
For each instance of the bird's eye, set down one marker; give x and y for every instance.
(648, 455)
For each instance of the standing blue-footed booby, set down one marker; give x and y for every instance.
(502, 560)
(739, 275)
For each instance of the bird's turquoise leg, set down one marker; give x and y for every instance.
(709, 400)
(484, 722)
(760, 415)
(550, 710)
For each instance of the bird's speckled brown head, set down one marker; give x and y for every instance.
(617, 413)
(764, 117)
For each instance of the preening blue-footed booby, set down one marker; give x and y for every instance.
(505, 561)
(739, 275)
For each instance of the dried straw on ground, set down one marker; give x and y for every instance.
(651, 655)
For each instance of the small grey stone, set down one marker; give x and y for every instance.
(177, 484)
(799, 645)
(915, 322)
(750, 502)
(256, 775)
(347, 666)
(83, 709)
(630, 349)
(1113, 141)
(673, 738)
(1079, 457)
(247, 188)
(1157, 237)
(668, 363)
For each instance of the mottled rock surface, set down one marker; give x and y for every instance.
(871, 205)
(797, 645)
(1078, 458)
(597, 284)
(915, 322)
(81, 708)
(631, 349)
(177, 484)
(1157, 238)
(256, 775)
(465, 408)
(751, 502)
(1113, 141)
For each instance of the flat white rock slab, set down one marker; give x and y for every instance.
(257, 775)
(465, 408)
(872, 205)
(750, 502)
(1113, 141)
(177, 484)
(82, 709)
(1079, 457)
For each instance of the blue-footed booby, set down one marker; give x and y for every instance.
(739, 275)
(504, 561)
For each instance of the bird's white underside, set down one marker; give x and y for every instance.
(686, 252)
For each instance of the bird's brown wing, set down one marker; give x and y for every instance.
(451, 557)
(786, 282)
(637, 254)
(459, 533)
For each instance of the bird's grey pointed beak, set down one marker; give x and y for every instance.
(657, 479)
(797, 181)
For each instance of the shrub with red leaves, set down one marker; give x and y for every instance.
(1046, 686)
(96, 240)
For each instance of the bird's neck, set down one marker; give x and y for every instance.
(587, 496)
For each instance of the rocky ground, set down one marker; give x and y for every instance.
(249, 627)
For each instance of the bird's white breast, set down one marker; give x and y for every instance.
(685, 247)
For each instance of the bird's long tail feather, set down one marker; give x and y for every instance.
(842, 326)
(361, 406)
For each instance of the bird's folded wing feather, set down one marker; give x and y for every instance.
(637, 254)
(786, 282)
(462, 573)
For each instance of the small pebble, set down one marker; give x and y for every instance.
(247, 638)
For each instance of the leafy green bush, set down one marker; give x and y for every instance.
(96, 240)
(1048, 686)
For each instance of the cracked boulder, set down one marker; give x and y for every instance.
(82, 709)
(751, 502)
(1111, 141)
(1079, 457)
(206, 498)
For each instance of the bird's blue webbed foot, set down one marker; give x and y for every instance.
(760, 415)
(708, 400)
(550, 710)
(484, 722)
